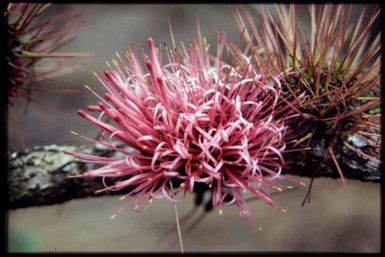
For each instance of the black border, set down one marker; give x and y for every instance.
(4, 127)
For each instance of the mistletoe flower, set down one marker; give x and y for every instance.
(193, 121)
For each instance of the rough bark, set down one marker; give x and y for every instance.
(318, 163)
(39, 176)
(42, 175)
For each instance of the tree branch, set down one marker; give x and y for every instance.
(39, 176)
(357, 158)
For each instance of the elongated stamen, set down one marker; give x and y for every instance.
(177, 223)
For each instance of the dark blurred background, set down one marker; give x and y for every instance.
(335, 220)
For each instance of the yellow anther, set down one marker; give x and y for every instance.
(88, 87)
(73, 132)
(74, 176)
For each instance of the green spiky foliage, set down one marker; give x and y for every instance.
(35, 33)
(332, 58)
(33, 42)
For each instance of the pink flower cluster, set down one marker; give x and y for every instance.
(193, 120)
